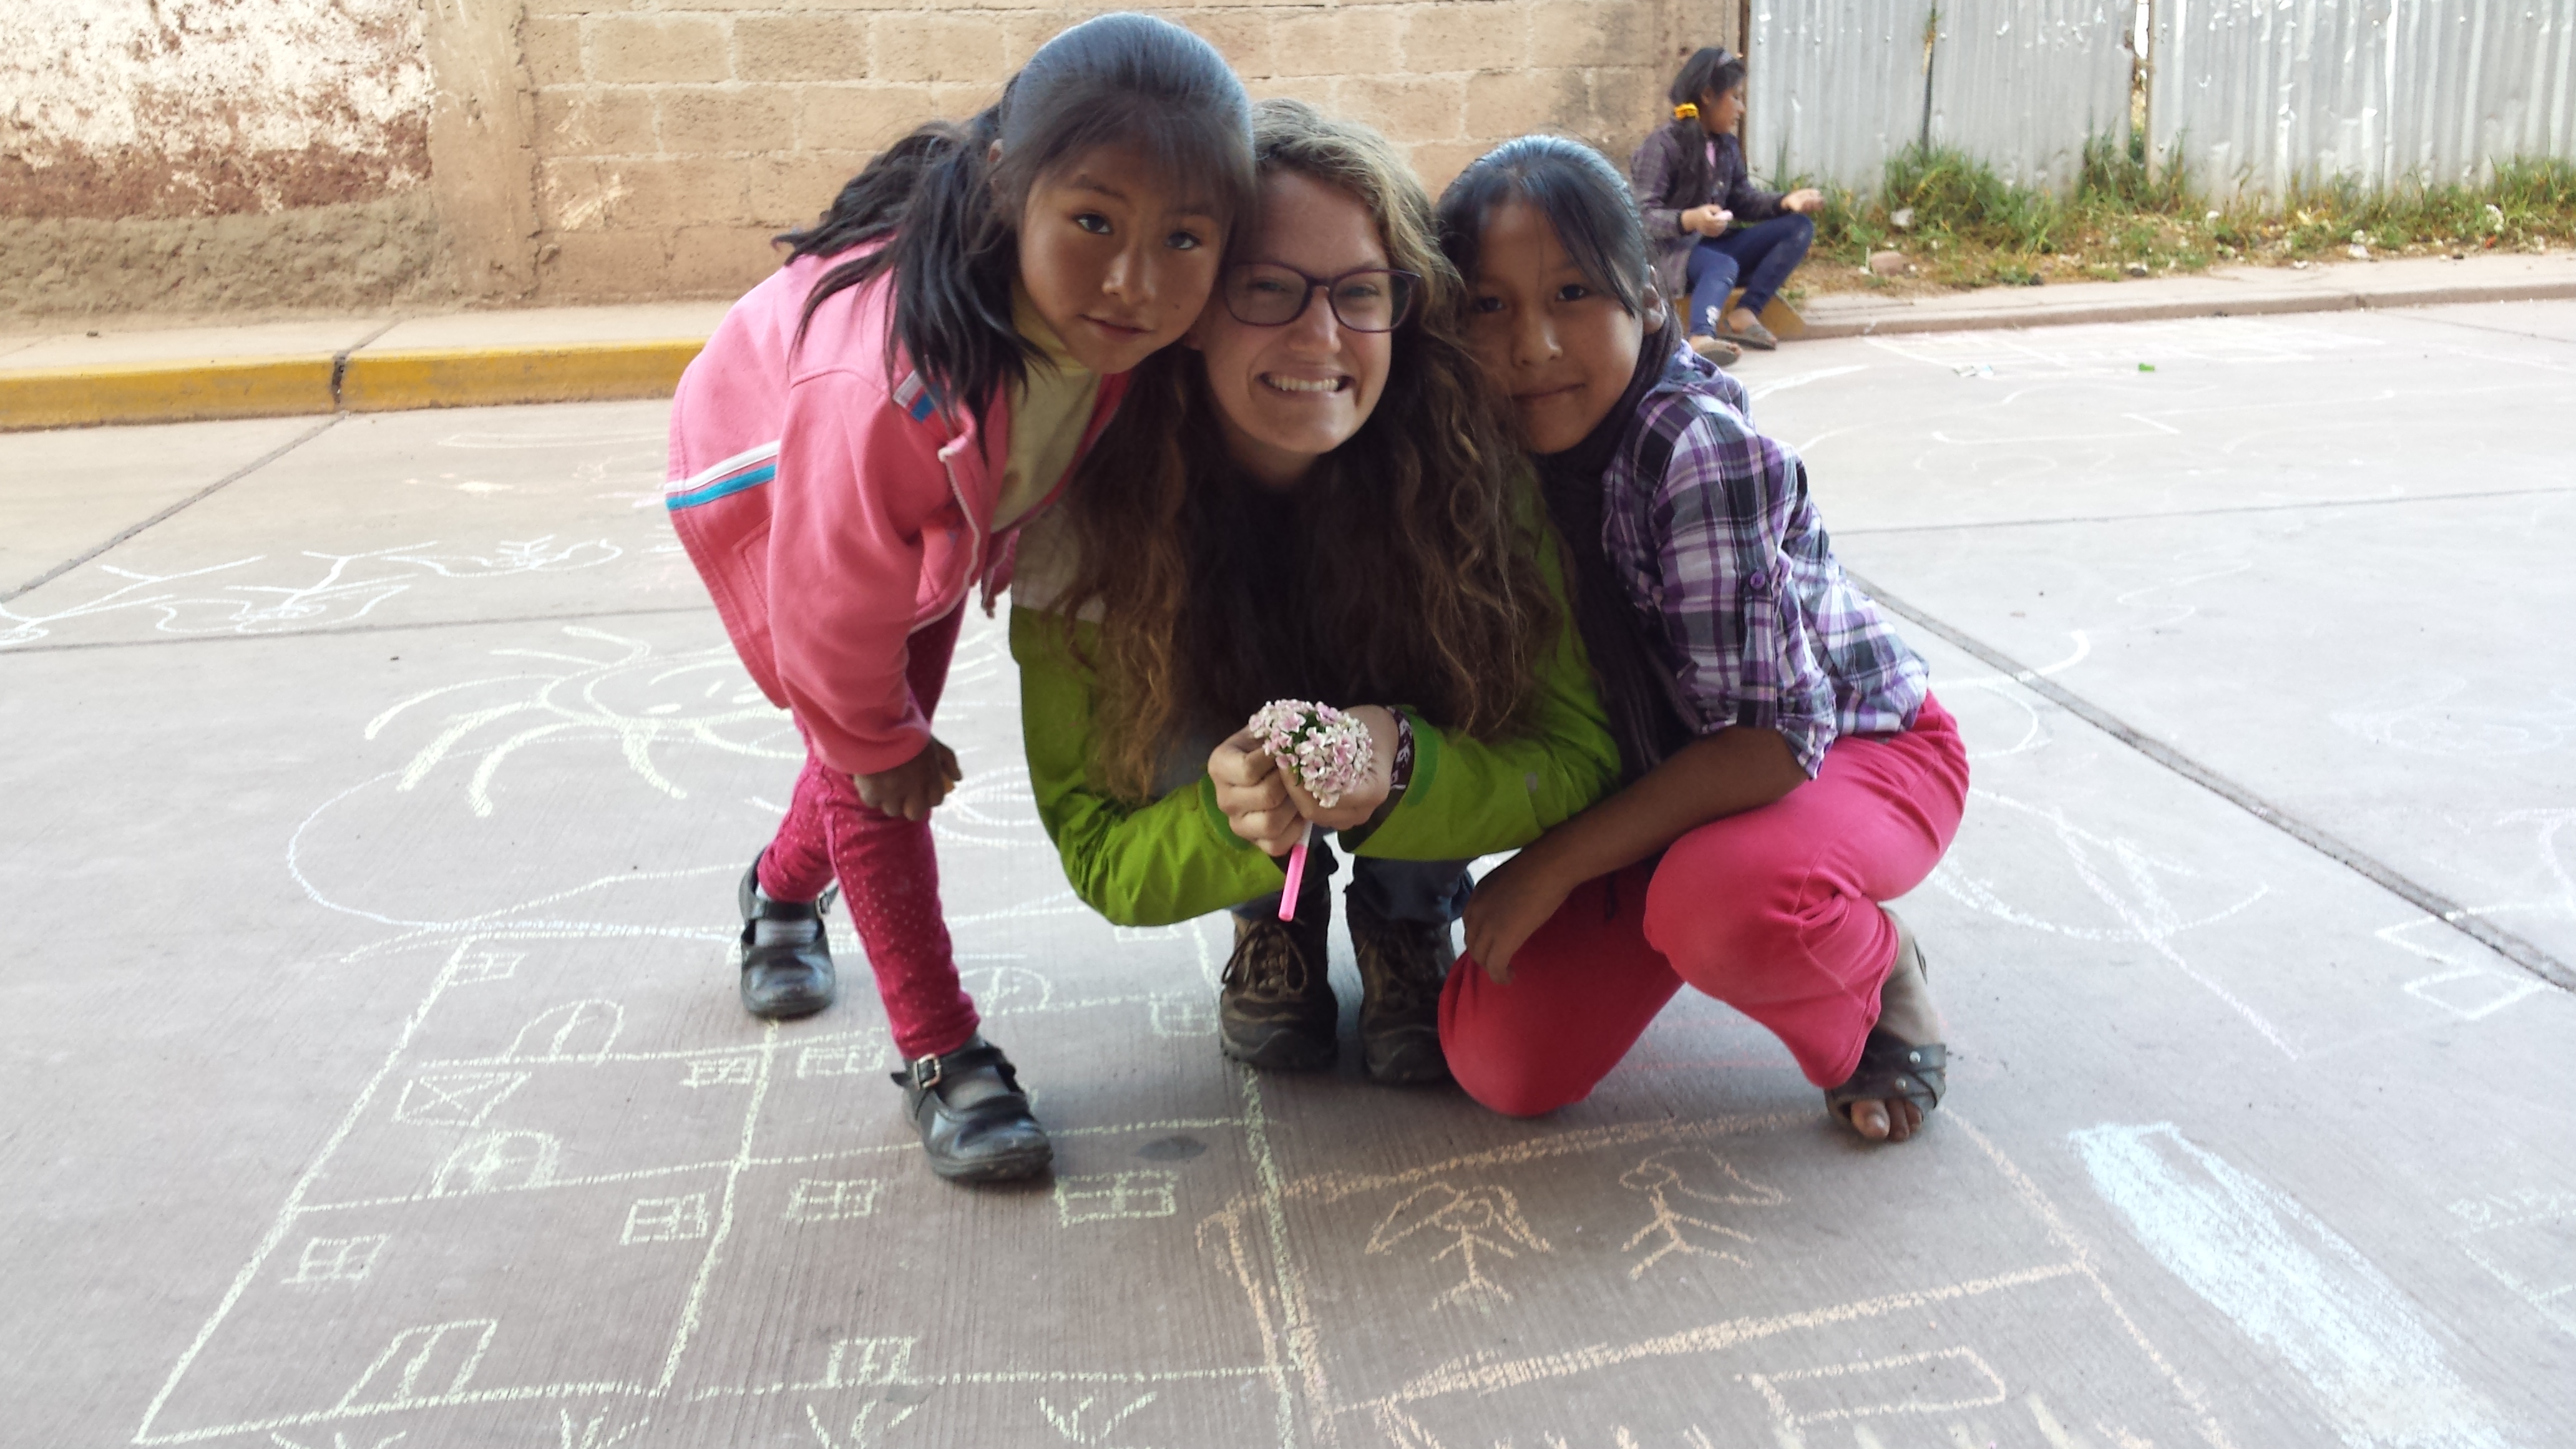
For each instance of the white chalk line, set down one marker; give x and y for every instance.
(2082, 1253)
(287, 1214)
(990, 1377)
(467, 1399)
(688, 1325)
(2291, 1285)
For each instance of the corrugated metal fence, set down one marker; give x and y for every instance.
(2253, 94)
(1835, 87)
(2247, 94)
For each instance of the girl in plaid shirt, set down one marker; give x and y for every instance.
(1786, 769)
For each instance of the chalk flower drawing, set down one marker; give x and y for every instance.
(350, 585)
(1486, 1219)
(629, 694)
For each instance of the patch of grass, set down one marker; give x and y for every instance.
(1965, 226)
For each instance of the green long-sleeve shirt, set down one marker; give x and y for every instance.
(1176, 857)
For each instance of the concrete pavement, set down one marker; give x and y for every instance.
(376, 1078)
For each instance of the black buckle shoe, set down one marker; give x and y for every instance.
(1276, 1010)
(974, 1121)
(1403, 965)
(791, 975)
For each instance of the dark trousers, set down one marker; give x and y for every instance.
(1761, 255)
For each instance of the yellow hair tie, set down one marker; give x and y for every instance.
(1685, 112)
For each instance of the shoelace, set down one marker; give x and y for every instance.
(1267, 963)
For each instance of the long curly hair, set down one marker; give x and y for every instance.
(1413, 557)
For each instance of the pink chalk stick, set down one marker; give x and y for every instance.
(1296, 877)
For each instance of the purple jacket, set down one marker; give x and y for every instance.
(1655, 170)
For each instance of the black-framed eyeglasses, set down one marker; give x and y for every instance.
(1368, 299)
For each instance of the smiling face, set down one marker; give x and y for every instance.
(1115, 259)
(1559, 346)
(1288, 395)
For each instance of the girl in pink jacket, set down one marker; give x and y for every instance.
(852, 454)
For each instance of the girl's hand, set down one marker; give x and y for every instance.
(1354, 806)
(1710, 220)
(1253, 792)
(1805, 198)
(1510, 904)
(915, 787)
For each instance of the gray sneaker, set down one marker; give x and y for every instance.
(1403, 965)
(1277, 1009)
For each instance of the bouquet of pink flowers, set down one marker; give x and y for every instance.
(1330, 754)
(1328, 751)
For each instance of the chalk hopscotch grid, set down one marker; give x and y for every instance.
(679, 1218)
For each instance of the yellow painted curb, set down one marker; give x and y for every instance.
(165, 392)
(465, 377)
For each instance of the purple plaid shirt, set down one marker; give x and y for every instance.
(1710, 527)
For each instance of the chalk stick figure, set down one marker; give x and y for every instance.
(1477, 1218)
(1682, 1183)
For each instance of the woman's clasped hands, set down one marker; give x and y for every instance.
(1267, 806)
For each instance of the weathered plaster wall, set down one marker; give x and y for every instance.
(186, 155)
(163, 108)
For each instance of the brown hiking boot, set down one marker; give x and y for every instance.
(1403, 965)
(1277, 1009)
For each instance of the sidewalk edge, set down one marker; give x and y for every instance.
(2153, 310)
(203, 389)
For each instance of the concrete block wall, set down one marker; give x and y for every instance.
(671, 140)
(604, 150)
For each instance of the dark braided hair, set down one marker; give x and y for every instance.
(1711, 71)
(953, 215)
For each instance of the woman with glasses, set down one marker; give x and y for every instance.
(1316, 498)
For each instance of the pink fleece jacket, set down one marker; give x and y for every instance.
(833, 506)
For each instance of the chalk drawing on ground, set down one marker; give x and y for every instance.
(2429, 715)
(455, 1099)
(338, 1260)
(2001, 1307)
(1090, 1420)
(1943, 1381)
(2330, 1319)
(1686, 1186)
(2131, 883)
(2468, 986)
(623, 691)
(334, 588)
(2526, 1241)
(1468, 1221)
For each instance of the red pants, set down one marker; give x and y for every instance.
(889, 877)
(1774, 912)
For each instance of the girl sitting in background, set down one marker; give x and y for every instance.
(1708, 225)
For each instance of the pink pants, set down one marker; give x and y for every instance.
(889, 876)
(1774, 912)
